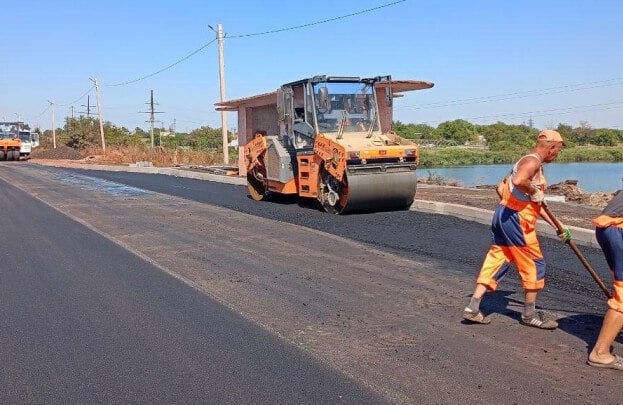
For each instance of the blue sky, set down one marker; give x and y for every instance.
(552, 61)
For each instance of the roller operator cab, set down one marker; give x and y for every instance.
(335, 144)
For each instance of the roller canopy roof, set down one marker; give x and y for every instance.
(397, 86)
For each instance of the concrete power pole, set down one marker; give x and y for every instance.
(99, 113)
(53, 125)
(221, 73)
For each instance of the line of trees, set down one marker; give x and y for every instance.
(83, 131)
(501, 136)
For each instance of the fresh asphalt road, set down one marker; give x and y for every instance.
(85, 321)
(406, 233)
(391, 323)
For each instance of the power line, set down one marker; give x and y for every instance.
(519, 94)
(250, 35)
(42, 112)
(78, 99)
(235, 36)
(193, 53)
(540, 113)
(316, 22)
(556, 110)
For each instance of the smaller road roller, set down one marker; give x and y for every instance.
(16, 140)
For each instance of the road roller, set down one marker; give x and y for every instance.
(334, 143)
(10, 141)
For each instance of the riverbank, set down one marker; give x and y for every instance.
(461, 156)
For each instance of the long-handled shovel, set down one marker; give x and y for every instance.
(577, 252)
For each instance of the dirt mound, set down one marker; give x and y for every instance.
(571, 191)
(61, 152)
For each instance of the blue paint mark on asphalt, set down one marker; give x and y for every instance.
(95, 184)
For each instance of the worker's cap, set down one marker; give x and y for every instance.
(551, 136)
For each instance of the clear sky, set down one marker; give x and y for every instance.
(491, 60)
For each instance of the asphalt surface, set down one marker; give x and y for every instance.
(86, 321)
(376, 296)
(406, 233)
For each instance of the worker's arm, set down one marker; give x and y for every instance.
(564, 234)
(526, 170)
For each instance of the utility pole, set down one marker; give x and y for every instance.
(88, 106)
(53, 125)
(152, 117)
(99, 113)
(221, 73)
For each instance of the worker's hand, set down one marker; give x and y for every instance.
(538, 196)
(565, 235)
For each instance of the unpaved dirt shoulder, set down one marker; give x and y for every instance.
(390, 322)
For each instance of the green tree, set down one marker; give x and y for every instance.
(141, 133)
(501, 136)
(459, 131)
(582, 134)
(605, 137)
(412, 131)
(80, 132)
(119, 136)
(207, 138)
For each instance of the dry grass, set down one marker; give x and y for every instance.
(160, 157)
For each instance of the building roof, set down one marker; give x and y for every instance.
(253, 101)
(397, 86)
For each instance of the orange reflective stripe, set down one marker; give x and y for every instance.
(616, 302)
(604, 221)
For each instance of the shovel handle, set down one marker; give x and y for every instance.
(577, 252)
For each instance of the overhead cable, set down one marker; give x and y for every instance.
(549, 112)
(78, 99)
(193, 53)
(314, 23)
(520, 94)
(43, 112)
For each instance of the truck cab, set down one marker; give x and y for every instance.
(29, 140)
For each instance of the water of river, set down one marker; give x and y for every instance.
(591, 177)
